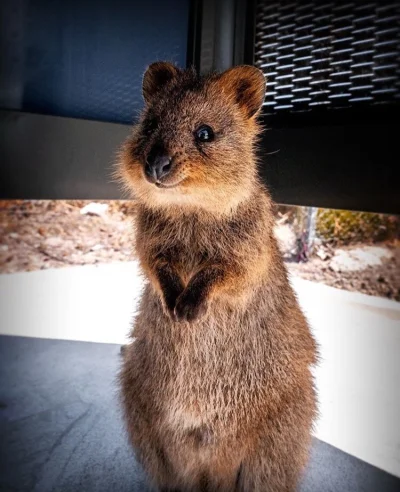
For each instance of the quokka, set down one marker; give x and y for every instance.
(217, 386)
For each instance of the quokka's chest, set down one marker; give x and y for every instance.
(185, 243)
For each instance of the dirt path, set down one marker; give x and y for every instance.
(381, 280)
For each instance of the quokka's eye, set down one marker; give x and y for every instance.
(204, 134)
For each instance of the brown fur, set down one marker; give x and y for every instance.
(217, 388)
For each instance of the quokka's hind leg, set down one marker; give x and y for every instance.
(148, 449)
(221, 476)
(150, 455)
(278, 462)
(260, 475)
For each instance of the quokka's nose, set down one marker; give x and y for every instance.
(158, 166)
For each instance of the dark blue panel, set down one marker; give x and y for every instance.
(86, 58)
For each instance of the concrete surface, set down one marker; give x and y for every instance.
(359, 337)
(62, 428)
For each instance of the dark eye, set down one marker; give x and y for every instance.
(204, 134)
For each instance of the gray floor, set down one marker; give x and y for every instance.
(61, 428)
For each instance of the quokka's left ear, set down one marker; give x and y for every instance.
(246, 86)
(156, 76)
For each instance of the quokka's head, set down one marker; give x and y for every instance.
(194, 143)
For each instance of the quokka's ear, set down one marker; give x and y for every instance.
(246, 85)
(157, 75)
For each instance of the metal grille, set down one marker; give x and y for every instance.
(332, 54)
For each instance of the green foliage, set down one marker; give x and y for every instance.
(344, 226)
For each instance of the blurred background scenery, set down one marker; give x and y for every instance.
(356, 251)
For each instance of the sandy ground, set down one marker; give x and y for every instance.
(381, 280)
(36, 235)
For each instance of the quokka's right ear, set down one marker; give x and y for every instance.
(157, 75)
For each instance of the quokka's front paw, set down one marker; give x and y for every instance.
(190, 306)
(168, 303)
(169, 296)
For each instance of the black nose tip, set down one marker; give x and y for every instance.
(158, 166)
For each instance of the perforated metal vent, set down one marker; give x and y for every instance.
(333, 54)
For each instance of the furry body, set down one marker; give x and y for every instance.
(217, 389)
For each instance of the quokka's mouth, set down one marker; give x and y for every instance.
(167, 185)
